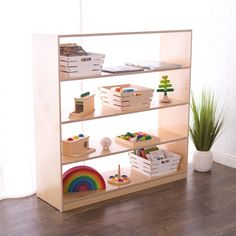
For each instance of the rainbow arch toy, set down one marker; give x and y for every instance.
(82, 178)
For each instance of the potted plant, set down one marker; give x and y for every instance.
(206, 125)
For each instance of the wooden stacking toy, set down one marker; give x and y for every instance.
(119, 179)
(82, 178)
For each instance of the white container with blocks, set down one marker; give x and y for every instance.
(155, 167)
(139, 98)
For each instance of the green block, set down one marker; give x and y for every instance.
(160, 90)
(165, 81)
(170, 90)
(84, 94)
(165, 77)
(147, 150)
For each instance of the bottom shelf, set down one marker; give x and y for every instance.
(138, 182)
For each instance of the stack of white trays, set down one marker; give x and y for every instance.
(81, 66)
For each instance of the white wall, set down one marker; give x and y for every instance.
(214, 48)
(18, 19)
(214, 63)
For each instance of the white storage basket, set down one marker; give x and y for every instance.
(76, 66)
(139, 98)
(156, 167)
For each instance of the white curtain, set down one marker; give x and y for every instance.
(212, 23)
(19, 19)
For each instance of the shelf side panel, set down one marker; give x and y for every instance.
(180, 81)
(176, 47)
(47, 119)
(174, 119)
(180, 147)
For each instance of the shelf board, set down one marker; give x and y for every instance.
(122, 33)
(109, 112)
(103, 75)
(116, 148)
(138, 182)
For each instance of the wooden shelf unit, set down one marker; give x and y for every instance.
(175, 47)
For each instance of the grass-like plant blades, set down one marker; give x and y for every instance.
(207, 124)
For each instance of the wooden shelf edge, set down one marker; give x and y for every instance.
(117, 113)
(122, 74)
(121, 149)
(69, 204)
(123, 33)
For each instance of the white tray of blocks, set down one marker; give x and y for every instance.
(76, 66)
(126, 97)
(160, 162)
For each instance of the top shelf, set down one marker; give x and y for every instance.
(123, 33)
(103, 74)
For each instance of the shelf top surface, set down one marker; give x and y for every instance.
(88, 34)
(106, 111)
(123, 33)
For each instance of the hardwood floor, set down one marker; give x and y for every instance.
(203, 205)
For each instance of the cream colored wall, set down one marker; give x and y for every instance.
(214, 49)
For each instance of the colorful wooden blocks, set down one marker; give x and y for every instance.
(138, 140)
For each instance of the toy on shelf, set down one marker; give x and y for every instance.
(82, 178)
(144, 152)
(71, 49)
(76, 62)
(138, 139)
(77, 146)
(154, 161)
(119, 179)
(125, 97)
(105, 143)
(83, 106)
(165, 86)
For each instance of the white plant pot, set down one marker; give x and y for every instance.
(202, 161)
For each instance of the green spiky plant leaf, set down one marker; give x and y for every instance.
(207, 122)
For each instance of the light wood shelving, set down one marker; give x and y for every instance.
(174, 47)
(116, 148)
(139, 182)
(109, 112)
(103, 75)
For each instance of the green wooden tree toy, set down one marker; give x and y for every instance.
(165, 86)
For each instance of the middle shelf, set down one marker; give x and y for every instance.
(105, 111)
(116, 148)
